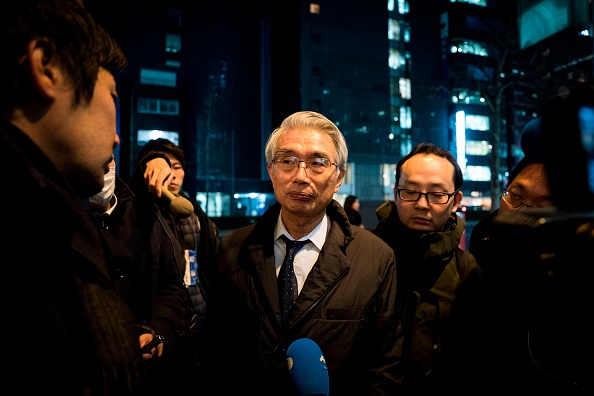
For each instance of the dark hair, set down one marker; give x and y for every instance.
(74, 41)
(162, 146)
(430, 148)
(532, 146)
(349, 201)
(524, 162)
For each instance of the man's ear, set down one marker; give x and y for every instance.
(44, 73)
(339, 179)
(457, 200)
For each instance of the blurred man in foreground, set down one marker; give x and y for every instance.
(69, 331)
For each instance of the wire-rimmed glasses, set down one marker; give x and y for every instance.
(314, 165)
(515, 201)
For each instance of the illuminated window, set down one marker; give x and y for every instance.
(158, 77)
(404, 87)
(477, 122)
(478, 173)
(403, 7)
(158, 106)
(405, 117)
(465, 46)
(172, 43)
(395, 60)
(465, 96)
(144, 135)
(482, 3)
(406, 33)
(393, 30)
(478, 147)
(314, 8)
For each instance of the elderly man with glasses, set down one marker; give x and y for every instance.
(340, 289)
(436, 277)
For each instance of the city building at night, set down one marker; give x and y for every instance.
(218, 78)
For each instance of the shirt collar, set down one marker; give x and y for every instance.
(317, 236)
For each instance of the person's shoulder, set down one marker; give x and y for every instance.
(481, 230)
(466, 263)
(367, 240)
(238, 235)
(385, 209)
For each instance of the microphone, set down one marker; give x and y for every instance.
(307, 368)
(178, 205)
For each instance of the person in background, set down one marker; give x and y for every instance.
(532, 253)
(198, 237)
(66, 327)
(437, 280)
(351, 207)
(527, 187)
(344, 285)
(146, 264)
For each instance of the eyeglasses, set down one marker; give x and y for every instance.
(315, 165)
(515, 201)
(432, 197)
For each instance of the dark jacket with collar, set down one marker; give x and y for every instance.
(188, 355)
(69, 327)
(348, 306)
(208, 238)
(440, 285)
(146, 263)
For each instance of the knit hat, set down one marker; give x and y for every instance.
(163, 146)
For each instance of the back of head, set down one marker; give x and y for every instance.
(531, 140)
(162, 146)
(78, 44)
(313, 121)
(349, 201)
(432, 149)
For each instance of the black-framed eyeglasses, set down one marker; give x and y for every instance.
(314, 165)
(515, 201)
(432, 197)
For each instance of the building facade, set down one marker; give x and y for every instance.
(218, 78)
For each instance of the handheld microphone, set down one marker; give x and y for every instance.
(307, 368)
(178, 205)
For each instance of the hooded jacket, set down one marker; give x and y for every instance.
(348, 306)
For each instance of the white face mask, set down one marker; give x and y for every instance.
(101, 199)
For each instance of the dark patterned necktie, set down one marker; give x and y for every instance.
(287, 281)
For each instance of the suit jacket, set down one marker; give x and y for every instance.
(348, 306)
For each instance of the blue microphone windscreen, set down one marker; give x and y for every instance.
(307, 368)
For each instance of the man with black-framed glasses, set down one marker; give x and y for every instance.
(436, 277)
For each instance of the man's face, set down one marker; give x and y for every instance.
(531, 185)
(178, 173)
(426, 173)
(85, 138)
(301, 192)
